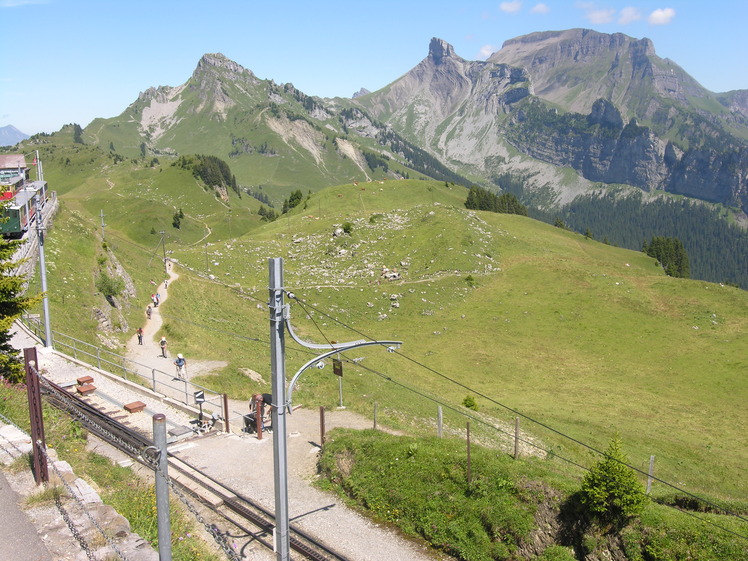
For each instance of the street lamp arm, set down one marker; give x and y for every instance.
(318, 346)
(391, 345)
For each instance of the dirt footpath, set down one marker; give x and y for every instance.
(245, 463)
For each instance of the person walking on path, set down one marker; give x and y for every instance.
(140, 335)
(148, 311)
(163, 344)
(181, 364)
(153, 329)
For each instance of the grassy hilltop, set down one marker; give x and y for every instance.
(589, 339)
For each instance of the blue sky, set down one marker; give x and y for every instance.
(70, 61)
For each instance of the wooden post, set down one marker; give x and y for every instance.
(469, 474)
(516, 438)
(258, 415)
(33, 391)
(650, 474)
(375, 415)
(226, 425)
(321, 426)
(439, 421)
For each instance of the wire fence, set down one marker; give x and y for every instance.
(170, 385)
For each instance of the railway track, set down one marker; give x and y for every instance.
(254, 523)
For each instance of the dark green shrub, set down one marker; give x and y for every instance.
(610, 491)
(108, 286)
(470, 403)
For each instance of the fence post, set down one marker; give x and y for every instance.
(469, 474)
(226, 424)
(321, 426)
(439, 421)
(650, 474)
(98, 357)
(516, 438)
(153, 379)
(33, 390)
(375, 415)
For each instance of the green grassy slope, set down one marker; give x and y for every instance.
(586, 338)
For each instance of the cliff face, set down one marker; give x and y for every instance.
(574, 68)
(598, 145)
(619, 114)
(451, 105)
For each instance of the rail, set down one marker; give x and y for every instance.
(156, 380)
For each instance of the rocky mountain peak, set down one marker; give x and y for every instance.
(359, 93)
(220, 61)
(440, 49)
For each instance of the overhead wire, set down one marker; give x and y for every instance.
(304, 306)
(555, 455)
(293, 296)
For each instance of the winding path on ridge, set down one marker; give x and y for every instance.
(149, 353)
(315, 511)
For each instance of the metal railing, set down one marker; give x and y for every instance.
(161, 382)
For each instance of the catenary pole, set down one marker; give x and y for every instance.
(278, 370)
(163, 517)
(163, 246)
(43, 270)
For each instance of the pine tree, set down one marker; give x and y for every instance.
(12, 304)
(610, 490)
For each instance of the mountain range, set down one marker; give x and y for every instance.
(604, 105)
(10, 136)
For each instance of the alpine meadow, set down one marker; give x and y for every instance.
(551, 319)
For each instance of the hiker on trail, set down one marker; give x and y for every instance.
(162, 344)
(140, 335)
(154, 300)
(158, 299)
(181, 364)
(148, 311)
(166, 283)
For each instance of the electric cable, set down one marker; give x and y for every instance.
(524, 416)
(555, 455)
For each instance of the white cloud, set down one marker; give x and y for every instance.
(594, 14)
(629, 14)
(486, 51)
(661, 16)
(540, 9)
(511, 7)
(600, 16)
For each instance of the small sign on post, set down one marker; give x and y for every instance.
(200, 399)
(337, 367)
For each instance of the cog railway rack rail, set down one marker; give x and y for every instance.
(255, 523)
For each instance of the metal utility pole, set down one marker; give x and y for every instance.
(279, 316)
(278, 410)
(161, 465)
(101, 212)
(163, 246)
(43, 268)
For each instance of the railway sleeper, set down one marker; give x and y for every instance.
(197, 489)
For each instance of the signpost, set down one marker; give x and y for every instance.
(200, 399)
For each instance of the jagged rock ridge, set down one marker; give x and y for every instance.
(619, 114)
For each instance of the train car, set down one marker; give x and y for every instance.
(18, 214)
(10, 186)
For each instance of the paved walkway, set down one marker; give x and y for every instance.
(19, 539)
